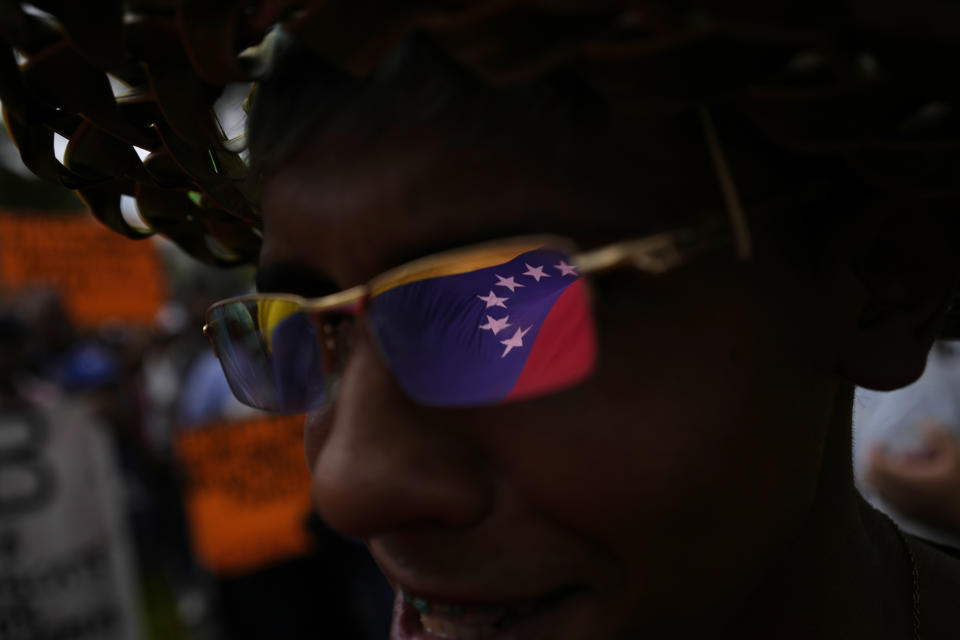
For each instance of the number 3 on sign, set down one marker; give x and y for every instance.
(26, 480)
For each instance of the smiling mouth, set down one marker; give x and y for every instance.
(420, 618)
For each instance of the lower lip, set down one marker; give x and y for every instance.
(406, 623)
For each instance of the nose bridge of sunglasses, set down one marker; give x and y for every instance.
(351, 301)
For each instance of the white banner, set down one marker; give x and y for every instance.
(66, 569)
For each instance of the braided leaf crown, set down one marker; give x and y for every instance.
(869, 82)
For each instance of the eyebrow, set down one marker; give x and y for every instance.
(403, 255)
(290, 276)
(585, 236)
(293, 277)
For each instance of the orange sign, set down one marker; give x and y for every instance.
(248, 492)
(100, 274)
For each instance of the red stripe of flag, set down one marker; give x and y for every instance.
(565, 350)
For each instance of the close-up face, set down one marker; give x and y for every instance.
(577, 304)
(649, 497)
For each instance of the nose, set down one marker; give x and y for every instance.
(382, 464)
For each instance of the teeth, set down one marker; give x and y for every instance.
(469, 622)
(455, 630)
(473, 614)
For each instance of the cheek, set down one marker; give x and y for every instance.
(696, 430)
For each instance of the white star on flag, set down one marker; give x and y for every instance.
(493, 301)
(509, 283)
(566, 269)
(496, 325)
(515, 342)
(535, 272)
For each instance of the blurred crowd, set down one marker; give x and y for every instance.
(98, 538)
(131, 483)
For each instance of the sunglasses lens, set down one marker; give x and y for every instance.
(274, 356)
(482, 327)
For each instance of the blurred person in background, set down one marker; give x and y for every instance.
(67, 566)
(638, 424)
(907, 447)
(923, 484)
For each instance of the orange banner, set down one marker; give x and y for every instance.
(100, 274)
(248, 492)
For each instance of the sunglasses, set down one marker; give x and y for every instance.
(476, 326)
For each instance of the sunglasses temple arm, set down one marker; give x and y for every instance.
(353, 301)
(655, 255)
(738, 219)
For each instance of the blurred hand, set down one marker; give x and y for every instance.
(922, 484)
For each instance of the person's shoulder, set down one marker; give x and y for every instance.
(939, 579)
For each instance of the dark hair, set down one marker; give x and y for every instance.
(416, 83)
(823, 110)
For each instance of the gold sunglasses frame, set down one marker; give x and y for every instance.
(654, 255)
